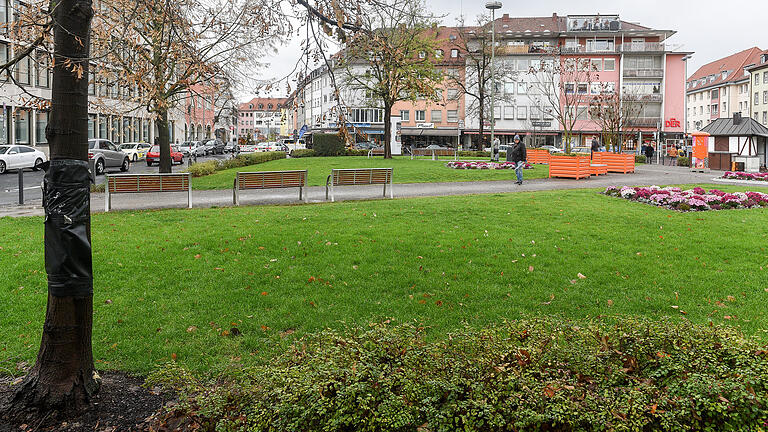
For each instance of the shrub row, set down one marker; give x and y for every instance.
(209, 167)
(619, 374)
(328, 145)
(640, 159)
(683, 161)
(313, 153)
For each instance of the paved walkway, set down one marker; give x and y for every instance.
(644, 175)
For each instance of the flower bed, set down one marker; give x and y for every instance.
(696, 199)
(745, 176)
(484, 165)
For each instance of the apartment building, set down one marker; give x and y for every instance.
(114, 113)
(758, 89)
(720, 88)
(260, 118)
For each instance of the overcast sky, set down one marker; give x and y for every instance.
(710, 29)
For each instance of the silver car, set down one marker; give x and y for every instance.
(106, 155)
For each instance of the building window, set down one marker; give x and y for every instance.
(421, 115)
(724, 110)
(609, 65)
(454, 53)
(41, 121)
(22, 119)
(757, 98)
(41, 78)
(765, 97)
(757, 78)
(497, 113)
(522, 88)
(405, 115)
(453, 94)
(91, 126)
(509, 113)
(582, 88)
(570, 88)
(422, 54)
(438, 53)
(522, 113)
(453, 116)
(765, 117)
(714, 94)
(765, 77)
(436, 116)
(23, 71)
(596, 64)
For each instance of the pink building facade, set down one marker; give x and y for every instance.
(200, 113)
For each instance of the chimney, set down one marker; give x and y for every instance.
(736, 118)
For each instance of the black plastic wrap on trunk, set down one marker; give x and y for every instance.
(67, 202)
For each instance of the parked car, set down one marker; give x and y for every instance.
(230, 147)
(366, 145)
(248, 148)
(186, 147)
(135, 151)
(207, 147)
(106, 155)
(216, 145)
(20, 157)
(551, 149)
(581, 149)
(154, 155)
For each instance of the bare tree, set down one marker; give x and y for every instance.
(170, 46)
(474, 44)
(564, 84)
(616, 113)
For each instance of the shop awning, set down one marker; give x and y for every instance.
(429, 132)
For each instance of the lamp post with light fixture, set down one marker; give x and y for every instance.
(493, 5)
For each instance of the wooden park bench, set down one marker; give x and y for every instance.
(617, 162)
(359, 177)
(147, 183)
(598, 169)
(537, 156)
(576, 167)
(435, 153)
(378, 151)
(268, 180)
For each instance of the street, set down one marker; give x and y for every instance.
(9, 182)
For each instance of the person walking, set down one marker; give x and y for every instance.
(519, 155)
(595, 146)
(649, 153)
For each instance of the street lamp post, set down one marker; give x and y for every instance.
(493, 5)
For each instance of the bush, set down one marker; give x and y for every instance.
(640, 159)
(98, 188)
(683, 161)
(303, 153)
(543, 374)
(246, 159)
(328, 145)
(356, 152)
(474, 154)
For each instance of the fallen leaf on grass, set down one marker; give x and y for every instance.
(581, 276)
(610, 303)
(197, 256)
(173, 356)
(191, 329)
(530, 268)
(263, 293)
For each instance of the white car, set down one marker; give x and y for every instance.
(20, 157)
(135, 151)
(551, 149)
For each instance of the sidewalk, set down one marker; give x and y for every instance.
(644, 175)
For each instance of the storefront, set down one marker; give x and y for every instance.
(424, 137)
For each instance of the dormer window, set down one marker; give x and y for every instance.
(724, 74)
(439, 53)
(261, 106)
(422, 54)
(270, 106)
(250, 106)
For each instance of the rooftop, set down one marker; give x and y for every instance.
(726, 127)
(725, 70)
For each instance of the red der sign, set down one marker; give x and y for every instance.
(672, 123)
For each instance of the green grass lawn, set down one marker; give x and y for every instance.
(171, 282)
(404, 171)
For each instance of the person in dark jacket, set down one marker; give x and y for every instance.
(519, 156)
(649, 153)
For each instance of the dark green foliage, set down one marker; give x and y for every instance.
(356, 152)
(640, 159)
(245, 159)
(619, 374)
(683, 161)
(303, 153)
(328, 145)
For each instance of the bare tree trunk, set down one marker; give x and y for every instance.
(163, 140)
(387, 131)
(63, 378)
(481, 136)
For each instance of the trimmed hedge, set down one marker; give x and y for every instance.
(640, 159)
(619, 374)
(244, 159)
(683, 161)
(303, 153)
(328, 145)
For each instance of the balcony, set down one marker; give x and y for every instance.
(642, 98)
(650, 122)
(644, 73)
(524, 49)
(629, 47)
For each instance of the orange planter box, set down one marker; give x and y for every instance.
(575, 167)
(537, 156)
(598, 169)
(617, 163)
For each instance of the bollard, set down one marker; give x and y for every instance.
(21, 186)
